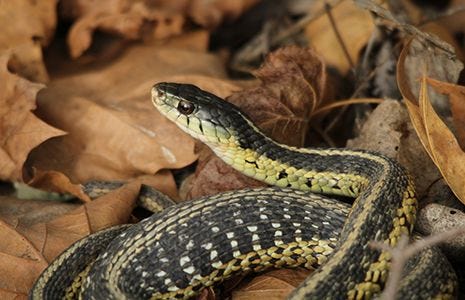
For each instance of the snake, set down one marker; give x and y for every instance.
(183, 248)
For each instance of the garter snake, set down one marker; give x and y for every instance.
(176, 253)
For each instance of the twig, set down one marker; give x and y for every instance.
(300, 24)
(338, 35)
(403, 251)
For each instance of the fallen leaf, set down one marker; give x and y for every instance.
(27, 26)
(354, 26)
(453, 22)
(30, 247)
(276, 284)
(292, 85)
(213, 176)
(437, 28)
(421, 36)
(437, 139)
(28, 212)
(419, 58)
(211, 13)
(445, 150)
(20, 261)
(114, 131)
(23, 20)
(26, 61)
(129, 19)
(21, 130)
(456, 95)
(57, 182)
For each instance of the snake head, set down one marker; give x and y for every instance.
(199, 113)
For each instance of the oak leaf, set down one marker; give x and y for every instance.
(20, 129)
(28, 248)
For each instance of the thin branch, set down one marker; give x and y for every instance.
(403, 251)
(338, 35)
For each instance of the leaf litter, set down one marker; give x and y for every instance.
(94, 119)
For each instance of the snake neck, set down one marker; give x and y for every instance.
(326, 171)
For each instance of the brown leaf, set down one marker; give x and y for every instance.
(276, 284)
(57, 182)
(26, 26)
(114, 131)
(456, 94)
(28, 248)
(422, 59)
(20, 129)
(292, 85)
(445, 150)
(24, 20)
(213, 176)
(438, 140)
(129, 19)
(16, 211)
(419, 58)
(211, 13)
(355, 27)
(27, 61)
(20, 261)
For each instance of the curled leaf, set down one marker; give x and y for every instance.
(436, 137)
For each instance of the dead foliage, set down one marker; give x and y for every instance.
(75, 80)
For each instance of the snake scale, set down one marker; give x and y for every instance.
(186, 247)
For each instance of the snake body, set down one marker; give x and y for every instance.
(176, 253)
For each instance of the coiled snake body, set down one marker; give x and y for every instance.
(176, 253)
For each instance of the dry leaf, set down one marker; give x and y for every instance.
(445, 150)
(438, 140)
(20, 261)
(20, 129)
(456, 94)
(276, 284)
(26, 26)
(213, 176)
(27, 249)
(16, 211)
(388, 16)
(292, 85)
(114, 131)
(210, 14)
(129, 19)
(57, 182)
(353, 24)
(26, 61)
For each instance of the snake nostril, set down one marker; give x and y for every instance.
(160, 94)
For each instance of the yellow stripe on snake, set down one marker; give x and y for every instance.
(186, 247)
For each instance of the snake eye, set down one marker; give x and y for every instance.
(185, 107)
